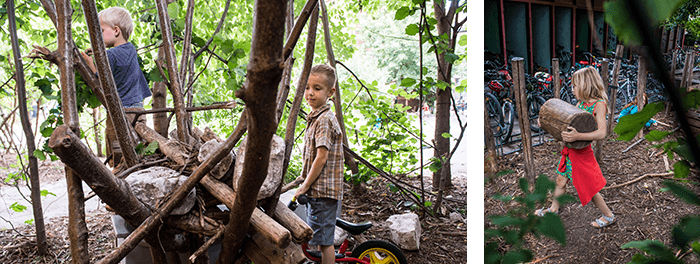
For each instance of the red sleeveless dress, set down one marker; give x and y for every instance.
(585, 172)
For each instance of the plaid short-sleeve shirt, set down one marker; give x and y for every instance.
(323, 130)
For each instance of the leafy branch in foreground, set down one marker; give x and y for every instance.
(505, 242)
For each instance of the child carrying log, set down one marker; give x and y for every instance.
(580, 165)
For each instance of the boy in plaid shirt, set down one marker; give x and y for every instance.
(323, 160)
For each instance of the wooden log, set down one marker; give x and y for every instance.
(159, 101)
(614, 85)
(194, 224)
(664, 40)
(672, 40)
(556, 115)
(77, 227)
(641, 88)
(337, 99)
(172, 148)
(301, 232)
(113, 191)
(605, 64)
(691, 74)
(259, 250)
(154, 219)
(260, 222)
(518, 66)
(555, 79)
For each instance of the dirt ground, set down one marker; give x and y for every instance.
(442, 241)
(643, 211)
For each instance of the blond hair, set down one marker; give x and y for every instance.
(589, 85)
(120, 17)
(327, 71)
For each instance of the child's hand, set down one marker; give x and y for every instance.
(88, 51)
(86, 57)
(301, 190)
(569, 136)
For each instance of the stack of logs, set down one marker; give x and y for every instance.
(270, 237)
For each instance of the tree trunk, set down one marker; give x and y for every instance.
(95, 118)
(27, 127)
(442, 104)
(160, 92)
(175, 81)
(264, 74)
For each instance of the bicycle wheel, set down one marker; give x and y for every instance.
(378, 251)
(534, 103)
(508, 120)
(495, 115)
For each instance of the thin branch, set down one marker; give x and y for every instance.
(218, 28)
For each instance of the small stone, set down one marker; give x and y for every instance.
(153, 184)
(456, 217)
(339, 236)
(405, 230)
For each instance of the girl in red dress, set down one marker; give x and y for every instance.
(580, 165)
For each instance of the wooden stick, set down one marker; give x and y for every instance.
(222, 105)
(521, 106)
(206, 245)
(613, 93)
(633, 144)
(639, 179)
(298, 27)
(292, 184)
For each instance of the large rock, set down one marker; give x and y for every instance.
(207, 150)
(153, 184)
(274, 169)
(405, 230)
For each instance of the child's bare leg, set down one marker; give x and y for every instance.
(558, 191)
(599, 202)
(327, 254)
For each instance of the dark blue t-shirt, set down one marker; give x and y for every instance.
(128, 77)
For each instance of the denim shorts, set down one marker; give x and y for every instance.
(137, 104)
(321, 217)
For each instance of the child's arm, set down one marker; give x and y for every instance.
(89, 60)
(316, 166)
(573, 135)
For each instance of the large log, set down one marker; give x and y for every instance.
(113, 191)
(301, 232)
(154, 220)
(556, 115)
(260, 222)
(170, 147)
(261, 251)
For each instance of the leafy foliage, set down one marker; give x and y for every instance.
(618, 17)
(512, 227)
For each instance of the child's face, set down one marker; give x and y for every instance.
(110, 34)
(317, 91)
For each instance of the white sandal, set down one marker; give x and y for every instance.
(601, 224)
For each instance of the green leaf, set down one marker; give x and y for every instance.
(517, 256)
(151, 148)
(504, 172)
(551, 225)
(504, 220)
(428, 203)
(53, 157)
(18, 207)
(656, 135)
(451, 57)
(412, 29)
(446, 135)
(629, 125)
(139, 148)
(29, 221)
(39, 154)
(198, 41)
(683, 193)
(617, 15)
(174, 10)
(696, 247)
(543, 185)
(44, 193)
(686, 231)
(393, 188)
(402, 13)
(408, 82)
(652, 247)
(681, 169)
(435, 166)
(462, 40)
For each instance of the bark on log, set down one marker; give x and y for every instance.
(172, 148)
(175, 81)
(259, 250)
(77, 228)
(154, 220)
(193, 224)
(160, 93)
(114, 191)
(27, 127)
(260, 222)
(337, 99)
(264, 73)
(301, 232)
(556, 115)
